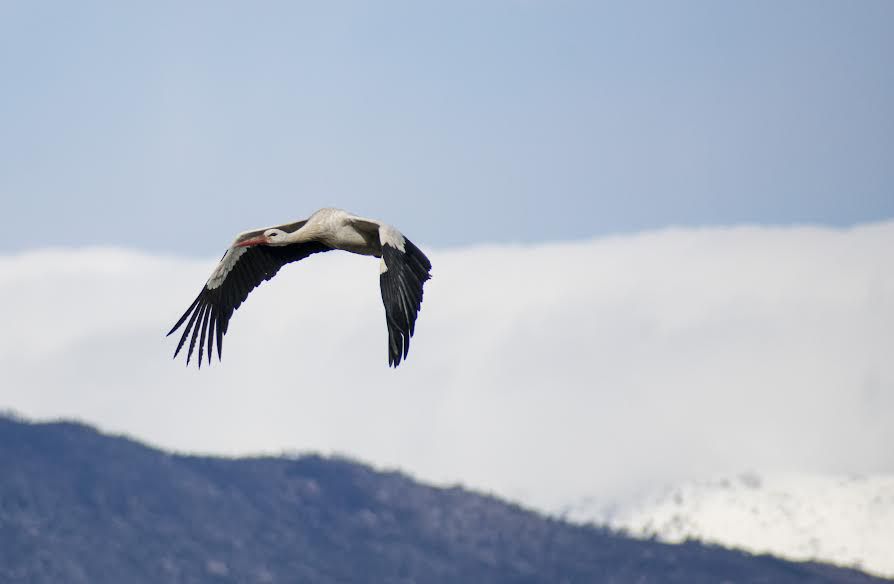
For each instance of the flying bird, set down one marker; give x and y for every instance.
(257, 255)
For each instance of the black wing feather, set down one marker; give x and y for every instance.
(200, 311)
(401, 285)
(212, 309)
(211, 334)
(204, 326)
(194, 309)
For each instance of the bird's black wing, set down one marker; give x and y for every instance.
(241, 270)
(403, 274)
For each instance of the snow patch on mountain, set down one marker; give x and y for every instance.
(846, 520)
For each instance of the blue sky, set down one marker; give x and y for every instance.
(169, 126)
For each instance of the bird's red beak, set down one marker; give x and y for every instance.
(252, 241)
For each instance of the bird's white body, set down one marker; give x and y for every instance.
(339, 229)
(257, 255)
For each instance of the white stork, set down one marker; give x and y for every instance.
(257, 255)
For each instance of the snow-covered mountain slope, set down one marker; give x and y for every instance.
(846, 520)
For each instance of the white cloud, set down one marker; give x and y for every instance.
(544, 373)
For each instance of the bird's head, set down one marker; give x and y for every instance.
(268, 237)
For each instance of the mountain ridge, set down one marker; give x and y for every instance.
(79, 506)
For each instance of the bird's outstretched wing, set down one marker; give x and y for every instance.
(404, 270)
(241, 270)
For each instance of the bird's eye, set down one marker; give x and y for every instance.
(273, 234)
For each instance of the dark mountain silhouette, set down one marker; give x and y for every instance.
(77, 506)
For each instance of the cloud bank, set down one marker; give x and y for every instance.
(543, 373)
